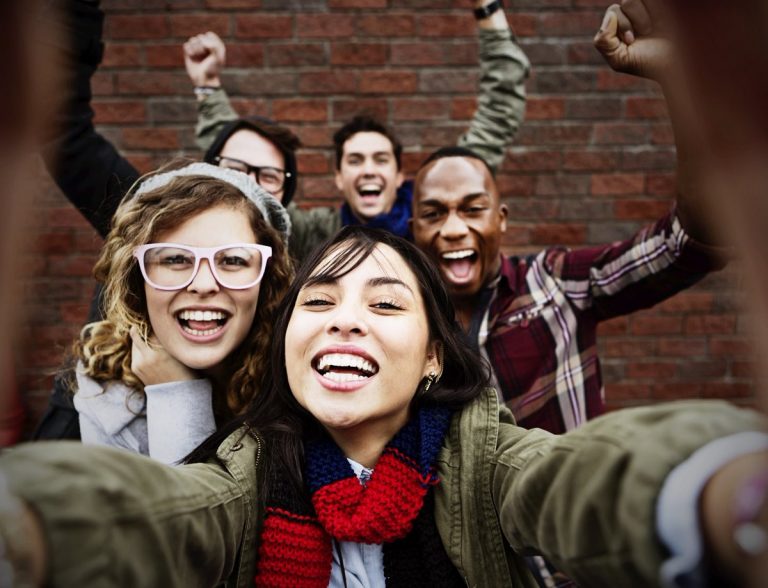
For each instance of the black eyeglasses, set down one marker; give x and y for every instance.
(272, 179)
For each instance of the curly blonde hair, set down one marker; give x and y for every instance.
(104, 347)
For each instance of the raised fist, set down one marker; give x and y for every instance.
(204, 56)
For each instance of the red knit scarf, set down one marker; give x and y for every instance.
(295, 547)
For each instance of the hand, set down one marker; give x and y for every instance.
(204, 56)
(632, 39)
(152, 364)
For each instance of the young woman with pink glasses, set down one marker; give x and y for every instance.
(193, 269)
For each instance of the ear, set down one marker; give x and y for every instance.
(337, 178)
(503, 213)
(434, 363)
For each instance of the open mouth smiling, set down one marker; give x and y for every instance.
(459, 262)
(370, 190)
(202, 323)
(345, 367)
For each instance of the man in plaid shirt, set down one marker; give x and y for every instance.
(535, 318)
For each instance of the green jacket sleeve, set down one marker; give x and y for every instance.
(501, 103)
(587, 500)
(213, 113)
(114, 518)
(310, 227)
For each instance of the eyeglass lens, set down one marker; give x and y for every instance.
(269, 178)
(172, 267)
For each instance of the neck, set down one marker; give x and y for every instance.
(365, 443)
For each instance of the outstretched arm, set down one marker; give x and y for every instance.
(91, 173)
(501, 103)
(204, 57)
(635, 38)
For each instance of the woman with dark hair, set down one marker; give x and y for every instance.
(377, 456)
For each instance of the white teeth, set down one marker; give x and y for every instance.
(202, 315)
(344, 377)
(198, 333)
(374, 188)
(345, 360)
(458, 254)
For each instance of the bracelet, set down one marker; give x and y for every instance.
(749, 535)
(205, 90)
(487, 10)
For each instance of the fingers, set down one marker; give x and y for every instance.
(638, 17)
(194, 48)
(214, 45)
(606, 39)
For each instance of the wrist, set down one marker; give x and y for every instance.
(490, 14)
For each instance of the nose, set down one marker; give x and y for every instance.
(347, 321)
(454, 227)
(369, 167)
(204, 281)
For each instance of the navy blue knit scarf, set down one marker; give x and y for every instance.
(395, 221)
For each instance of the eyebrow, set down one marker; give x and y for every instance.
(372, 283)
(464, 199)
(375, 154)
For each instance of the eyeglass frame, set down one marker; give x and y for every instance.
(254, 169)
(201, 253)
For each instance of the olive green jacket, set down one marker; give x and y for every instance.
(586, 500)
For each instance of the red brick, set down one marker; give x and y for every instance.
(582, 53)
(187, 25)
(463, 108)
(640, 209)
(744, 369)
(662, 134)
(121, 55)
(609, 80)
(660, 184)
(357, 3)
(165, 55)
(731, 346)
(569, 23)
(624, 391)
(123, 111)
(345, 110)
(589, 160)
(524, 25)
(142, 26)
(710, 324)
(532, 160)
(299, 109)
(593, 108)
(150, 138)
(417, 54)
(263, 26)
(386, 25)
(726, 390)
(328, 82)
(620, 133)
(646, 324)
(233, 3)
(639, 107)
(313, 163)
(515, 236)
(565, 185)
(701, 370)
(688, 301)
(143, 163)
(651, 369)
(359, 54)
(561, 134)
(315, 136)
(617, 184)
(557, 234)
(324, 26)
(387, 82)
(151, 83)
(419, 109)
(539, 108)
(627, 347)
(682, 346)
(103, 83)
(515, 185)
(448, 82)
(320, 187)
(615, 326)
(296, 54)
(446, 25)
(676, 390)
(245, 54)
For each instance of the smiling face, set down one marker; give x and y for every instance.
(203, 323)
(458, 220)
(357, 347)
(368, 176)
(251, 148)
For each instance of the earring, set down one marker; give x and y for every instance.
(430, 380)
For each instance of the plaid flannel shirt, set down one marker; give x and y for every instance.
(538, 324)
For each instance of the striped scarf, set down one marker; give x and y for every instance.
(296, 539)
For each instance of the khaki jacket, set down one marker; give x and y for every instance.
(586, 500)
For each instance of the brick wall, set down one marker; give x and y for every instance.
(593, 161)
